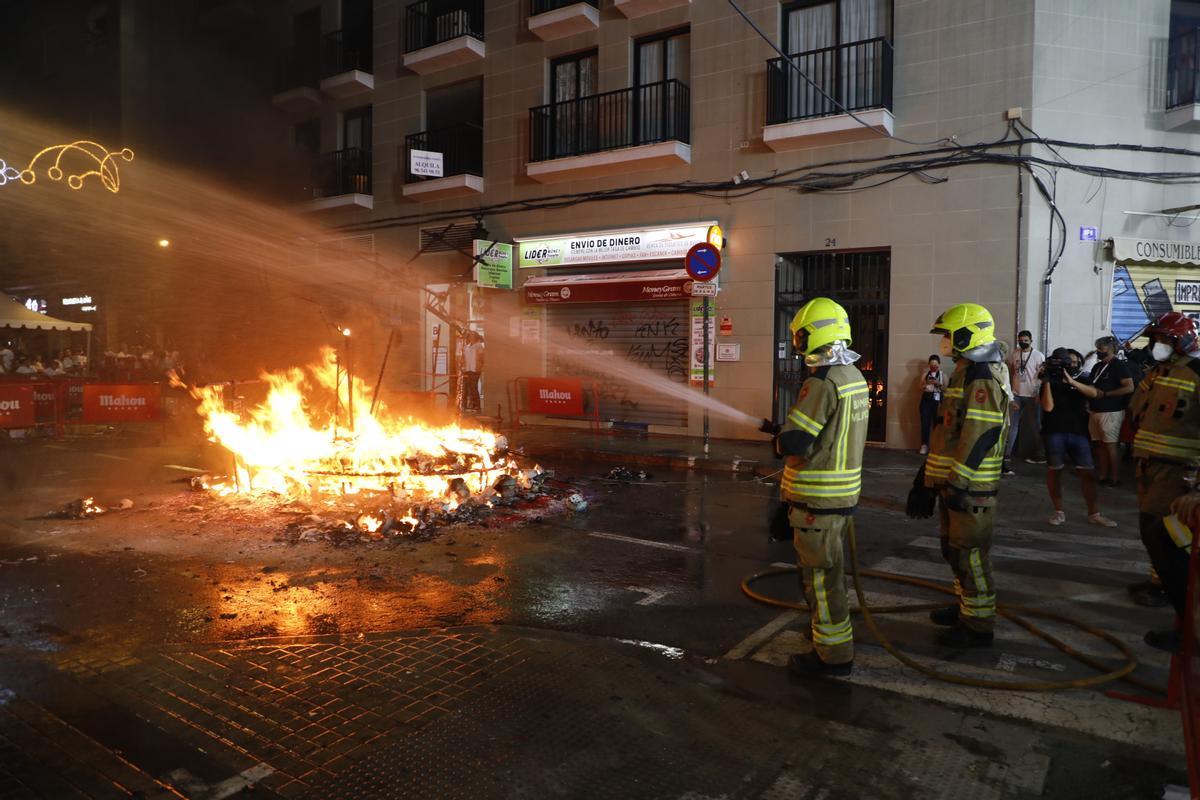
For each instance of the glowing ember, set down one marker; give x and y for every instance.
(300, 444)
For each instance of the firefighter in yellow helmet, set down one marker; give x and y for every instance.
(963, 467)
(822, 441)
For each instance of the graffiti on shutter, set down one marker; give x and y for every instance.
(652, 335)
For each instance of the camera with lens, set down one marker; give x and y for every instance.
(1055, 370)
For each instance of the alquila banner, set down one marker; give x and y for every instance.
(615, 246)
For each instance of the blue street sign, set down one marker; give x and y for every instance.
(703, 261)
(1088, 235)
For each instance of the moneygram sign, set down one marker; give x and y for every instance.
(612, 247)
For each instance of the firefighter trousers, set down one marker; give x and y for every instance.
(818, 539)
(1158, 484)
(967, 547)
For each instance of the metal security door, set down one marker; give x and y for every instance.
(860, 281)
(651, 335)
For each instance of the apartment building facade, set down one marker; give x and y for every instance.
(654, 122)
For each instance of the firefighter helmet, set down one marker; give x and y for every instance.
(968, 325)
(823, 322)
(1181, 328)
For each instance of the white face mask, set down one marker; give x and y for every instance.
(945, 347)
(1161, 351)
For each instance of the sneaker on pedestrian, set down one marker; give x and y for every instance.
(960, 637)
(1036, 460)
(1170, 641)
(1007, 470)
(810, 665)
(924, 449)
(1101, 520)
(1057, 518)
(1153, 597)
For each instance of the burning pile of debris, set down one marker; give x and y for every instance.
(370, 476)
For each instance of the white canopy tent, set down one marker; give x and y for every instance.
(14, 314)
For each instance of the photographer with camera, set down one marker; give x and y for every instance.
(1065, 432)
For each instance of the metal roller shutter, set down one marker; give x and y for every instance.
(654, 335)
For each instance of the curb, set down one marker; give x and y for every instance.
(740, 466)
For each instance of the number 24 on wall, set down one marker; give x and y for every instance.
(831, 242)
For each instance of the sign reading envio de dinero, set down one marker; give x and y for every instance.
(17, 407)
(104, 402)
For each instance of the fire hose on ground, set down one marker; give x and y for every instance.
(1013, 613)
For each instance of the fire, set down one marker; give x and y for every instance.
(301, 443)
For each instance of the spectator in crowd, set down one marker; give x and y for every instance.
(81, 361)
(55, 369)
(1109, 389)
(24, 367)
(472, 368)
(1024, 366)
(7, 358)
(932, 386)
(1065, 432)
(65, 361)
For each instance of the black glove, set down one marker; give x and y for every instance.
(921, 499)
(779, 528)
(770, 428)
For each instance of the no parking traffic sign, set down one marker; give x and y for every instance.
(703, 261)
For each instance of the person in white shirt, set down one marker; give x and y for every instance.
(25, 368)
(54, 370)
(472, 367)
(6, 358)
(1025, 367)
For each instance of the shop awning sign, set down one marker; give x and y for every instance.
(614, 287)
(1155, 251)
(612, 247)
(493, 264)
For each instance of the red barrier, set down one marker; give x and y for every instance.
(18, 408)
(564, 398)
(1187, 667)
(109, 403)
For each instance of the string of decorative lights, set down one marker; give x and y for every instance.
(103, 159)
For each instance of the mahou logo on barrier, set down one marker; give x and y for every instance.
(17, 407)
(121, 402)
(555, 396)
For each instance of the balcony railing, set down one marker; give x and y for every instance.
(654, 112)
(858, 76)
(542, 6)
(428, 23)
(461, 147)
(342, 172)
(347, 50)
(1183, 69)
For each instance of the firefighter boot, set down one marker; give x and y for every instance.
(1168, 641)
(810, 665)
(944, 616)
(960, 637)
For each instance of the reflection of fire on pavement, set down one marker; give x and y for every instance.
(316, 447)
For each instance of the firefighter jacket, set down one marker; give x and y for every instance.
(1166, 412)
(966, 448)
(823, 439)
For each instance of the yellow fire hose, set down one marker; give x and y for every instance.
(1013, 613)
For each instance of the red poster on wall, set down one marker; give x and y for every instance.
(17, 406)
(555, 396)
(121, 402)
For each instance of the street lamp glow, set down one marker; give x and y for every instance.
(164, 242)
(345, 331)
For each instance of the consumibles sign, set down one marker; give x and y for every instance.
(615, 246)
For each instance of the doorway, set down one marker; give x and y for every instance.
(860, 281)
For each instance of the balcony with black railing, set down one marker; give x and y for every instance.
(1183, 81)
(442, 33)
(342, 178)
(444, 163)
(642, 127)
(633, 9)
(810, 93)
(346, 63)
(555, 19)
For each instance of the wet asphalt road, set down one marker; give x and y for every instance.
(657, 563)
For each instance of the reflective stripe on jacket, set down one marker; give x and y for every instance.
(966, 447)
(823, 439)
(1165, 412)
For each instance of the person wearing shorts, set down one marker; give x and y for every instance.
(1109, 390)
(1065, 434)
